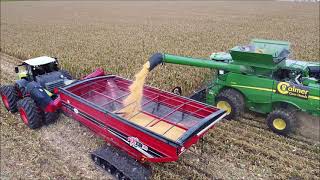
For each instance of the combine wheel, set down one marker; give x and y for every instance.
(281, 121)
(231, 101)
(9, 97)
(29, 112)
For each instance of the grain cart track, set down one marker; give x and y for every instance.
(235, 149)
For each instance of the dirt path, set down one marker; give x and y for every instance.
(243, 149)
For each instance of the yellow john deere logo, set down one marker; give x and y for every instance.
(292, 90)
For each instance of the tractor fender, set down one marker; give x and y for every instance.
(285, 104)
(21, 86)
(38, 94)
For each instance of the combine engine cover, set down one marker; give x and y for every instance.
(51, 80)
(314, 71)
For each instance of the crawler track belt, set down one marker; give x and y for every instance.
(119, 164)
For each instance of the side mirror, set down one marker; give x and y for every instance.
(16, 69)
(57, 62)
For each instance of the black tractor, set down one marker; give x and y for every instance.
(33, 94)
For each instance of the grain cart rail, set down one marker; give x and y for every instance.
(165, 126)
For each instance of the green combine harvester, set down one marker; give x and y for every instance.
(259, 77)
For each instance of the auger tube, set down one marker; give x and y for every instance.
(173, 59)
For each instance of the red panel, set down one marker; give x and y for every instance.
(169, 151)
(108, 93)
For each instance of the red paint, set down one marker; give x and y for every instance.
(19, 94)
(23, 115)
(5, 101)
(96, 73)
(108, 92)
(53, 105)
(55, 90)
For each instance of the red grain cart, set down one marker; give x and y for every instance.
(165, 126)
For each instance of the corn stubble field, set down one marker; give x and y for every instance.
(120, 36)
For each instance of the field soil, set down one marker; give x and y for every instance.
(120, 36)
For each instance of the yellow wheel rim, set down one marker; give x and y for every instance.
(225, 106)
(279, 124)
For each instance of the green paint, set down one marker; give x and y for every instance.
(255, 71)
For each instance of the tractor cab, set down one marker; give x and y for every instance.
(31, 68)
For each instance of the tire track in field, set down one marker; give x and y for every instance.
(251, 142)
(257, 134)
(267, 143)
(259, 124)
(263, 156)
(268, 151)
(307, 127)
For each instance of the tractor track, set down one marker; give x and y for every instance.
(249, 150)
(258, 135)
(254, 143)
(259, 123)
(232, 150)
(267, 152)
(266, 145)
